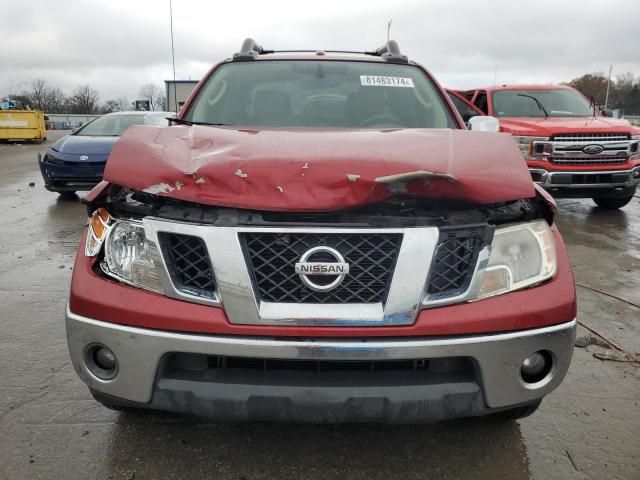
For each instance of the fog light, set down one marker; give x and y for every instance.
(536, 367)
(104, 358)
(101, 362)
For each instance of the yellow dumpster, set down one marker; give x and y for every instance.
(22, 125)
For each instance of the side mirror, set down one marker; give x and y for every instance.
(482, 123)
(468, 115)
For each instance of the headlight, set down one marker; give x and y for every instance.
(534, 148)
(521, 256)
(130, 257)
(635, 148)
(52, 160)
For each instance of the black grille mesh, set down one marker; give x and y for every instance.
(454, 261)
(371, 258)
(188, 263)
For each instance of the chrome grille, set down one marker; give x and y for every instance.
(188, 264)
(590, 137)
(272, 258)
(587, 161)
(616, 148)
(454, 261)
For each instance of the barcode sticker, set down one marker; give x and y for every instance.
(380, 81)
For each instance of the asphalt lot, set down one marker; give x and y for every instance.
(51, 428)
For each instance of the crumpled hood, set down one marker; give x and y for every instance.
(317, 169)
(545, 127)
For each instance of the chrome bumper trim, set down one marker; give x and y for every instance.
(633, 178)
(498, 356)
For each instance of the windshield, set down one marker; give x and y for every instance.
(278, 93)
(533, 103)
(110, 125)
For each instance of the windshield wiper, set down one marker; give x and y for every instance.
(546, 115)
(182, 121)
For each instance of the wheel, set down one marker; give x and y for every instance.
(612, 203)
(67, 195)
(516, 413)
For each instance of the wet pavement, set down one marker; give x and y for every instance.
(51, 428)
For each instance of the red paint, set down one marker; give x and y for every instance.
(103, 299)
(310, 169)
(546, 127)
(95, 192)
(463, 99)
(318, 170)
(200, 163)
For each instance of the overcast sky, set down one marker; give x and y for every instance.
(119, 45)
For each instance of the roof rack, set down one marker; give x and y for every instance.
(249, 51)
(389, 52)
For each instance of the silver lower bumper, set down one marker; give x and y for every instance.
(587, 179)
(497, 356)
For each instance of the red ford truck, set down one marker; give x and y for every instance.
(572, 149)
(318, 238)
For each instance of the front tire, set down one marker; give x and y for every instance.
(612, 203)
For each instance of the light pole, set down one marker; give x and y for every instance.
(173, 60)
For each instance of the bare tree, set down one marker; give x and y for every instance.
(56, 101)
(110, 106)
(37, 94)
(591, 86)
(161, 102)
(84, 99)
(150, 92)
(123, 104)
(153, 93)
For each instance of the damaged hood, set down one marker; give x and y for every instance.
(317, 169)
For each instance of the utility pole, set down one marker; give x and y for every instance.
(606, 98)
(173, 61)
(389, 27)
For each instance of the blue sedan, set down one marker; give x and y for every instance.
(77, 161)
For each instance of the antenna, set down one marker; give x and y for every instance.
(389, 22)
(173, 61)
(606, 98)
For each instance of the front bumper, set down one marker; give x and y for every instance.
(70, 177)
(577, 183)
(493, 384)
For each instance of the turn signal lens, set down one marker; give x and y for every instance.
(99, 226)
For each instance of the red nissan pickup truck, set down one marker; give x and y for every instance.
(318, 238)
(572, 149)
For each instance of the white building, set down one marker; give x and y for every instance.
(178, 90)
